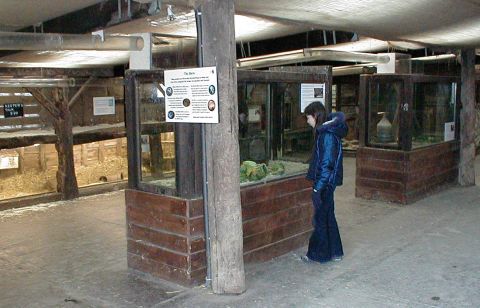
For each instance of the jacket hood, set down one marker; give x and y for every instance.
(335, 124)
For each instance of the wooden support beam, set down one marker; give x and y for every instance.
(73, 100)
(466, 176)
(66, 178)
(43, 100)
(156, 155)
(223, 166)
(185, 160)
(43, 158)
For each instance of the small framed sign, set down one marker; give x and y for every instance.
(13, 110)
(8, 159)
(104, 105)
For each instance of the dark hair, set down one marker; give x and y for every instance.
(317, 111)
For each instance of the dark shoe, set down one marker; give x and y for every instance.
(337, 259)
(306, 259)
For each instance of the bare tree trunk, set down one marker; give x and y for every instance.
(66, 177)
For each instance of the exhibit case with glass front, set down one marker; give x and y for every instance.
(164, 204)
(408, 136)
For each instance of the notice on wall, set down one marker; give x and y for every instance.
(449, 131)
(104, 105)
(191, 95)
(13, 110)
(311, 92)
(8, 159)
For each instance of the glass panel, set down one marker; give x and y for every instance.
(384, 115)
(289, 131)
(252, 114)
(348, 104)
(334, 98)
(157, 139)
(297, 136)
(434, 113)
(28, 171)
(101, 162)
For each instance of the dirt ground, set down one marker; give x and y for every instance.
(33, 182)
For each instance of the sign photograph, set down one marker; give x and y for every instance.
(311, 92)
(191, 95)
(104, 105)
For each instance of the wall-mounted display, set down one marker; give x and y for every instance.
(191, 95)
(311, 92)
(13, 110)
(103, 105)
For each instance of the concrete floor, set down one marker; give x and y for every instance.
(73, 254)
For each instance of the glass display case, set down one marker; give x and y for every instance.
(273, 132)
(152, 149)
(346, 100)
(409, 135)
(406, 112)
(274, 138)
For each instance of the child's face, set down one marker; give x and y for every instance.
(311, 121)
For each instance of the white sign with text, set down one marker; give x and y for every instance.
(191, 95)
(311, 92)
(104, 105)
(449, 133)
(8, 162)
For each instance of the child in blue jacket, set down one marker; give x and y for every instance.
(326, 173)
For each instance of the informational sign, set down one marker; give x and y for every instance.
(191, 95)
(104, 105)
(13, 110)
(8, 159)
(449, 131)
(311, 92)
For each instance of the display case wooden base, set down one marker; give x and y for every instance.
(405, 176)
(165, 235)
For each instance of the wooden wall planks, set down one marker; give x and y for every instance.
(405, 177)
(166, 234)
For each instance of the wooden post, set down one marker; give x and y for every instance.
(101, 151)
(223, 166)
(43, 159)
(118, 147)
(84, 161)
(466, 176)
(62, 123)
(156, 155)
(66, 177)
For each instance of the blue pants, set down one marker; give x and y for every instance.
(325, 243)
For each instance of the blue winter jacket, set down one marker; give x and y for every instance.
(326, 165)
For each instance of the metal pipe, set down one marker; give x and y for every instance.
(119, 2)
(354, 69)
(345, 56)
(208, 279)
(437, 58)
(309, 54)
(55, 41)
(37, 82)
